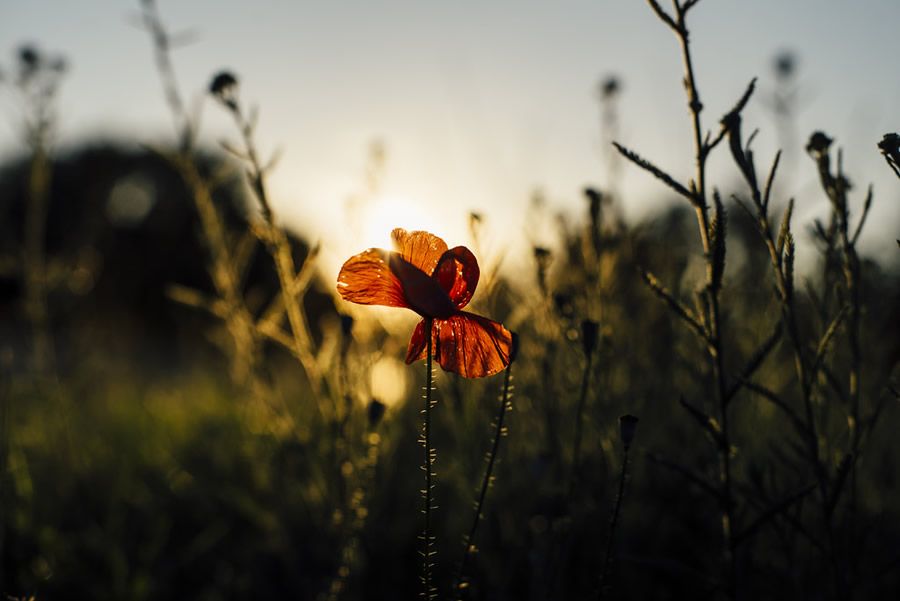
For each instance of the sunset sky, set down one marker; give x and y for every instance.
(478, 104)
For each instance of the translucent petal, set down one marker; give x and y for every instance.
(422, 249)
(418, 348)
(367, 279)
(472, 346)
(457, 273)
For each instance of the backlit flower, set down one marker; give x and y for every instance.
(424, 275)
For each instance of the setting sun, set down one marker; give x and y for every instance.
(388, 212)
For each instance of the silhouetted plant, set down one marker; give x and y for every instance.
(707, 321)
(38, 77)
(488, 479)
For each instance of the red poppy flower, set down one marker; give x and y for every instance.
(422, 274)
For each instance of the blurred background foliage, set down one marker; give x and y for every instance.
(136, 466)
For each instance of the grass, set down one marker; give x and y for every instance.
(259, 464)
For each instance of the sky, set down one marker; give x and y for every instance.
(479, 105)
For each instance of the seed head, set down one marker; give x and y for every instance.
(627, 427)
(376, 411)
(564, 304)
(224, 88)
(29, 62)
(346, 324)
(818, 143)
(785, 65)
(29, 57)
(589, 331)
(890, 145)
(609, 87)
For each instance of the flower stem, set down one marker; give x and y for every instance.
(579, 426)
(485, 483)
(610, 541)
(428, 589)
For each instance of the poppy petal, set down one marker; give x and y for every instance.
(422, 249)
(418, 347)
(472, 346)
(457, 272)
(367, 279)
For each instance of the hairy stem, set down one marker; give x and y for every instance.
(485, 482)
(428, 589)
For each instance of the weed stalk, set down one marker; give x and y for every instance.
(276, 241)
(244, 347)
(627, 426)
(38, 83)
(781, 251)
(590, 331)
(499, 432)
(712, 236)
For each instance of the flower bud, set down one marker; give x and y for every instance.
(890, 146)
(376, 411)
(589, 330)
(627, 426)
(609, 87)
(818, 143)
(346, 324)
(224, 88)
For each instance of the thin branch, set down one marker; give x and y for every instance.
(685, 471)
(739, 106)
(826, 339)
(686, 315)
(756, 360)
(663, 15)
(194, 298)
(866, 206)
(778, 402)
(770, 180)
(709, 424)
(771, 513)
(657, 172)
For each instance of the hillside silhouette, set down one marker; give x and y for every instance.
(121, 228)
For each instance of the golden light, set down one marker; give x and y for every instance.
(385, 213)
(369, 222)
(389, 381)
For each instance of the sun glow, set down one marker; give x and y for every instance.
(389, 381)
(378, 218)
(369, 223)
